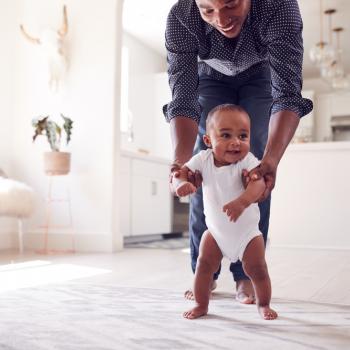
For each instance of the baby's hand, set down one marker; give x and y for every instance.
(185, 188)
(234, 209)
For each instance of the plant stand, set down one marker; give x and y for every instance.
(50, 201)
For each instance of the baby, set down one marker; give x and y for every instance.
(232, 216)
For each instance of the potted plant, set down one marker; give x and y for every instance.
(55, 162)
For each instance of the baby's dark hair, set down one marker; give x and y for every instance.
(224, 107)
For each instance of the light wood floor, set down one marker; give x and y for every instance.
(297, 274)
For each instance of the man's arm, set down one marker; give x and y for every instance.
(183, 110)
(184, 131)
(284, 41)
(281, 130)
(183, 136)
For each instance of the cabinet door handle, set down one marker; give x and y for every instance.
(154, 188)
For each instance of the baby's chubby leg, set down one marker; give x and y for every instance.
(208, 263)
(255, 267)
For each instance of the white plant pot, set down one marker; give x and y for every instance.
(57, 163)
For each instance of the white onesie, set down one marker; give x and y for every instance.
(220, 186)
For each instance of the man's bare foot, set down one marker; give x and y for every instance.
(189, 293)
(245, 292)
(196, 312)
(267, 313)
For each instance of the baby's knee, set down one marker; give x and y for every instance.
(205, 265)
(257, 270)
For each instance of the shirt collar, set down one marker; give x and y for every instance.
(208, 28)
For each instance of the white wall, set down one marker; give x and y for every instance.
(89, 97)
(7, 36)
(163, 145)
(8, 9)
(144, 64)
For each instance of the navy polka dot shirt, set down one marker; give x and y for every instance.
(271, 36)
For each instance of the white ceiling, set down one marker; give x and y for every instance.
(146, 21)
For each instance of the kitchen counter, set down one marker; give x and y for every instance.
(317, 146)
(145, 156)
(310, 203)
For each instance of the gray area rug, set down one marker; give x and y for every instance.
(105, 317)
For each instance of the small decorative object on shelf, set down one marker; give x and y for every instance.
(55, 162)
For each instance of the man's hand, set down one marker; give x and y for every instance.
(234, 209)
(267, 169)
(195, 178)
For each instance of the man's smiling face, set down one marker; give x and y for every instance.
(227, 16)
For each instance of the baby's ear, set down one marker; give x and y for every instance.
(207, 141)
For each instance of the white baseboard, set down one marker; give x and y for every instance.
(85, 242)
(80, 242)
(308, 247)
(7, 240)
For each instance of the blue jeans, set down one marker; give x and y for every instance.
(254, 95)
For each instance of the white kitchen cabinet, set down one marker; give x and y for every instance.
(125, 202)
(146, 203)
(328, 105)
(340, 104)
(309, 205)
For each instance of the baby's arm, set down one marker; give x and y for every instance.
(181, 185)
(251, 194)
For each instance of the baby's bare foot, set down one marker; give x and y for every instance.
(189, 293)
(245, 292)
(196, 312)
(267, 313)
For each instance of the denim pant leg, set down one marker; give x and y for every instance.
(255, 97)
(211, 93)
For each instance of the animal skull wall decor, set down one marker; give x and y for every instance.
(51, 43)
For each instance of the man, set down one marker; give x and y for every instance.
(245, 52)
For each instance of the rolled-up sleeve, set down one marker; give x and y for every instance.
(182, 52)
(285, 48)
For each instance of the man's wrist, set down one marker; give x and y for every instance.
(270, 160)
(282, 127)
(175, 166)
(184, 131)
(180, 161)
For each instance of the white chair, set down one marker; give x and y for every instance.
(16, 200)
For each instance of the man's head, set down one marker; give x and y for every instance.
(227, 16)
(228, 133)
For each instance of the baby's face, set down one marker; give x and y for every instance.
(229, 136)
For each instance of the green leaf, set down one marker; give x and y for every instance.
(53, 132)
(39, 126)
(67, 126)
